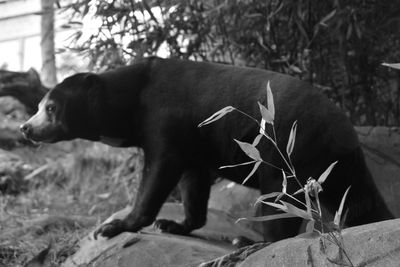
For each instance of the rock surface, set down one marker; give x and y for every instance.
(145, 249)
(381, 147)
(151, 248)
(235, 200)
(371, 245)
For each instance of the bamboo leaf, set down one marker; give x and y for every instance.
(217, 115)
(323, 176)
(252, 171)
(358, 31)
(298, 191)
(267, 116)
(263, 132)
(256, 140)
(267, 196)
(349, 31)
(292, 139)
(284, 182)
(392, 65)
(235, 165)
(296, 211)
(262, 127)
(250, 150)
(270, 101)
(308, 202)
(276, 205)
(327, 17)
(338, 214)
(267, 217)
(279, 197)
(308, 235)
(295, 69)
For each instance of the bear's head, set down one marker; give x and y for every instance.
(67, 111)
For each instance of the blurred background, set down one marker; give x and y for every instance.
(55, 194)
(337, 45)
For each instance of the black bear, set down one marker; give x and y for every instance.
(157, 104)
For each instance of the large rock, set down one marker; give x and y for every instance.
(235, 200)
(151, 248)
(146, 249)
(381, 147)
(371, 245)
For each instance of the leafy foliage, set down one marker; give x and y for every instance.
(393, 65)
(337, 45)
(311, 210)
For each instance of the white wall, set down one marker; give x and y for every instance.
(20, 34)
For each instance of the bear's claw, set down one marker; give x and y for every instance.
(171, 227)
(111, 229)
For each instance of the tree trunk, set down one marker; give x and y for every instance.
(48, 72)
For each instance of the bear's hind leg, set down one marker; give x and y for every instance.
(364, 201)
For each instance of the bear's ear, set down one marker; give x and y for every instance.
(91, 80)
(92, 84)
(34, 77)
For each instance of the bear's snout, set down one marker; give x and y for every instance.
(26, 129)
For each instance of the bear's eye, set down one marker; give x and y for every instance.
(50, 108)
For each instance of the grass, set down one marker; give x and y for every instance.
(68, 189)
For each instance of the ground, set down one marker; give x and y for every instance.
(62, 192)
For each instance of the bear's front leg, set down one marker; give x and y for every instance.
(161, 175)
(194, 187)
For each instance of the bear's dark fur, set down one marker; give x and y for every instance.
(157, 104)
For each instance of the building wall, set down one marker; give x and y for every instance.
(20, 34)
